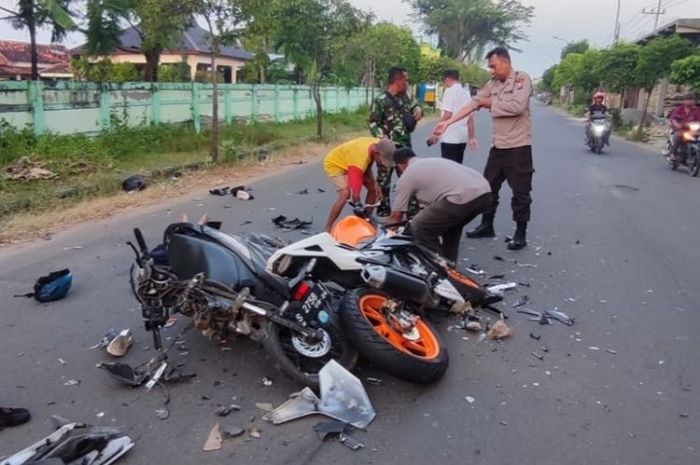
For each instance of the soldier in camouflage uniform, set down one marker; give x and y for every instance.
(388, 119)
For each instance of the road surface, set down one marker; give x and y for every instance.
(613, 243)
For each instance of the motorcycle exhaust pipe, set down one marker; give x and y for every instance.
(396, 283)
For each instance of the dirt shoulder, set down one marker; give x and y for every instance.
(28, 227)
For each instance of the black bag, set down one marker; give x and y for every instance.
(409, 121)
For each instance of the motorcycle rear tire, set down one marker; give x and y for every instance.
(423, 361)
(278, 344)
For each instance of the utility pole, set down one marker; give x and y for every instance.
(617, 23)
(656, 12)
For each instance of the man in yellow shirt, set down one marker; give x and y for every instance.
(349, 166)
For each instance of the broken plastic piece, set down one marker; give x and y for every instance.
(119, 346)
(281, 221)
(342, 397)
(559, 316)
(536, 337)
(501, 288)
(329, 427)
(266, 381)
(214, 439)
(232, 431)
(537, 356)
(350, 442)
(524, 300)
(163, 413)
(220, 191)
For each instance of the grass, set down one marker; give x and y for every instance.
(94, 167)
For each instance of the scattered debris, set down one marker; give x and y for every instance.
(500, 330)
(66, 445)
(470, 399)
(536, 337)
(559, 316)
(61, 361)
(683, 415)
(100, 414)
(473, 269)
(498, 258)
(254, 432)
(339, 431)
(24, 169)
(320, 191)
(72, 382)
(119, 346)
(266, 381)
(163, 413)
(246, 222)
(594, 348)
(172, 319)
(53, 286)
(281, 221)
(221, 191)
(134, 183)
(537, 356)
(611, 351)
(214, 439)
(223, 411)
(264, 406)
(342, 397)
(524, 300)
(373, 381)
(501, 288)
(473, 326)
(303, 192)
(497, 276)
(232, 431)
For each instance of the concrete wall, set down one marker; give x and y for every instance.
(84, 107)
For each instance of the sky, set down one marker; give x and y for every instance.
(568, 20)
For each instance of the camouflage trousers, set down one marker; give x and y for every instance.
(384, 181)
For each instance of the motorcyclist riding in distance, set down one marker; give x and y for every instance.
(595, 111)
(685, 113)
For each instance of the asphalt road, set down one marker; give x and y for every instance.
(613, 242)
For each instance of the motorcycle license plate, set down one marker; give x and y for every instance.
(314, 307)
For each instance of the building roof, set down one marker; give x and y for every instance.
(686, 27)
(194, 41)
(12, 52)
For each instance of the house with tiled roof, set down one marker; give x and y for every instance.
(192, 48)
(16, 61)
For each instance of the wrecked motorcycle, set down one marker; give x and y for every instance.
(219, 280)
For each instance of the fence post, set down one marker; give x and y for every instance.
(155, 103)
(276, 115)
(36, 102)
(105, 107)
(228, 107)
(196, 117)
(296, 102)
(254, 104)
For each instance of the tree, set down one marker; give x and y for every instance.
(432, 67)
(575, 47)
(547, 83)
(654, 63)
(33, 14)
(223, 18)
(617, 66)
(687, 71)
(364, 58)
(466, 27)
(307, 36)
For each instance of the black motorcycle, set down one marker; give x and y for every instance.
(687, 150)
(219, 280)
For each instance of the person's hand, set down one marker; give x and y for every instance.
(473, 144)
(485, 102)
(439, 128)
(418, 113)
(377, 192)
(433, 139)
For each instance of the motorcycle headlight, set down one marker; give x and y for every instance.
(598, 130)
(688, 135)
(282, 265)
(694, 127)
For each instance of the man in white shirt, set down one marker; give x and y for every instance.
(453, 141)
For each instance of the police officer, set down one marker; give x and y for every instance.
(507, 95)
(393, 116)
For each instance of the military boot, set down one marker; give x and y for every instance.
(519, 241)
(485, 229)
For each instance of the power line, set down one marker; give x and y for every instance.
(657, 12)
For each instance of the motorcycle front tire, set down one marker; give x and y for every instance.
(423, 360)
(299, 367)
(693, 162)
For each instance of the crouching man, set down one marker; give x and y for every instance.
(453, 195)
(349, 166)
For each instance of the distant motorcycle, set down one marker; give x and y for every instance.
(599, 133)
(688, 149)
(219, 280)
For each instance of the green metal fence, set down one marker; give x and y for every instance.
(85, 107)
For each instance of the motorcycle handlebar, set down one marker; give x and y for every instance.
(140, 240)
